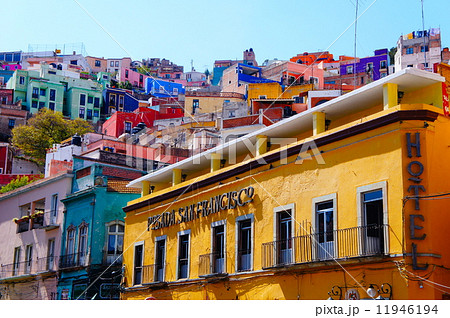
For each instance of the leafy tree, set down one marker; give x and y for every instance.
(392, 52)
(125, 85)
(16, 183)
(45, 129)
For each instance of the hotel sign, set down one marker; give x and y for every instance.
(225, 201)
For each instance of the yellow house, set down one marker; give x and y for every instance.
(347, 200)
(209, 102)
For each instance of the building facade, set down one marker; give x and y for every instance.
(30, 231)
(332, 203)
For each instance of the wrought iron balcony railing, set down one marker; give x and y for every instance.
(30, 267)
(153, 273)
(358, 241)
(74, 260)
(212, 263)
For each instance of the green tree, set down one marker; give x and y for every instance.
(16, 183)
(392, 52)
(45, 129)
(125, 85)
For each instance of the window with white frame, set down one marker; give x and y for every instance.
(138, 263)
(51, 264)
(218, 247)
(16, 264)
(28, 258)
(283, 232)
(324, 224)
(83, 243)
(373, 218)
(160, 258)
(183, 254)
(115, 242)
(244, 243)
(70, 250)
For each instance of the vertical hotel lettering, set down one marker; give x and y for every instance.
(415, 170)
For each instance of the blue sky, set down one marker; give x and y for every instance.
(208, 30)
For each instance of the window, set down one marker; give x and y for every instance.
(81, 113)
(244, 246)
(115, 242)
(284, 237)
(11, 123)
(90, 99)
(126, 73)
(160, 258)
(83, 244)
(183, 255)
(324, 225)
(51, 264)
(35, 92)
(195, 105)
(117, 63)
(372, 218)
(111, 63)
(138, 262)
(96, 113)
(41, 105)
(167, 76)
(16, 264)
(383, 64)
(350, 69)
(34, 104)
(112, 99)
(424, 48)
(97, 63)
(28, 258)
(21, 80)
(42, 92)
(128, 126)
(51, 106)
(82, 99)
(54, 209)
(52, 94)
(175, 91)
(121, 100)
(161, 89)
(410, 65)
(232, 113)
(89, 114)
(369, 67)
(218, 247)
(73, 62)
(70, 241)
(409, 50)
(96, 102)
(78, 291)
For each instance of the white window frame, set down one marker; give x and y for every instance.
(213, 225)
(284, 208)
(181, 233)
(322, 199)
(157, 239)
(108, 233)
(252, 246)
(28, 258)
(382, 185)
(134, 262)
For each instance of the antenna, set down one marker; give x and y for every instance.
(354, 53)
(424, 43)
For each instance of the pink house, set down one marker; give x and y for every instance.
(135, 78)
(30, 231)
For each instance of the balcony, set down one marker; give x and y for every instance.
(32, 267)
(361, 241)
(212, 264)
(152, 274)
(74, 260)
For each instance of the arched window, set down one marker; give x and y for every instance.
(83, 244)
(114, 248)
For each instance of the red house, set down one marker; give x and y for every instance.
(122, 122)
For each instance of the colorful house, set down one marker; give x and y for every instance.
(30, 232)
(163, 89)
(92, 232)
(116, 99)
(337, 201)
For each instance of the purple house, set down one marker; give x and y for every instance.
(367, 69)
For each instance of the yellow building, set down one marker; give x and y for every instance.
(346, 200)
(209, 102)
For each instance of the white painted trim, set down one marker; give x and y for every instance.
(213, 225)
(185, 232)
(382, 185)
(236, 246)
(314, 203)
(157, 239)
(134, 260)
(279, 209)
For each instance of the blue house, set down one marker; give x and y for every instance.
(92, 232)
(116, 99)
(163, 89)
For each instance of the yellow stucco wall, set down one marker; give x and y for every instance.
(209, 104)
(375, 156)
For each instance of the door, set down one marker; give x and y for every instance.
(373, 242)
(219, 249)
(160, 259)
(284, 239)
(325, 230)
